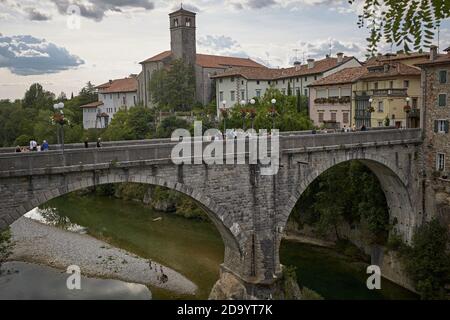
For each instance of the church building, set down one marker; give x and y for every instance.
(183, 46)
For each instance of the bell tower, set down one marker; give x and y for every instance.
(182, 35)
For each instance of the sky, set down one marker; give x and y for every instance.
(63, 46)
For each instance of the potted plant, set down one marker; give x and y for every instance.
(370, 109)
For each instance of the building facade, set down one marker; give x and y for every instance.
(113, 96)
(183, 46)
(435, 117)
(330, 102)
(239, 84)
(389, 94)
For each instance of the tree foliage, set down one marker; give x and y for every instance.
(6, 246)
(428, 262)
(287, 116)
(173, 88)
(410, 24)
(348, 193)
(134, 124)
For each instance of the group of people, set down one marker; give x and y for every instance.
(353, 128)
(34, 146)
(99, 143)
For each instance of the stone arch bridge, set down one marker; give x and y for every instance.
(250, 210)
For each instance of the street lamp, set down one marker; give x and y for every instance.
(224, 115)
(273, 112)
(59, 117)
(243, 113)
(252, 111)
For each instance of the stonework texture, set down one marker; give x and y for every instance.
(249, 210)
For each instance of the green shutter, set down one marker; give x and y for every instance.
(436, 124)
(446, 126)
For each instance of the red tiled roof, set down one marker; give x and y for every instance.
(92, 104)
(119, 85)
(377, 71)
(320, 66)
(251, 73)
(211, 61)
(441, 59)
(347, 75)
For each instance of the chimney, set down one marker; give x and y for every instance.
(110, 81)
(310, 63)
(327, 56)
(433, 53)
(340, 57)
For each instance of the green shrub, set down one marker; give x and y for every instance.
(308, 294)
(427, 261)
(6, 246)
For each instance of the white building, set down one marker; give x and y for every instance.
(237, 84)
(112, 96)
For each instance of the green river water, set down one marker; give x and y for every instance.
(195, 249)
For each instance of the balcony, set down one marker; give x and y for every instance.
(414, 113)
(383, 93)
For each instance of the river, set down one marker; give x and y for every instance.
(195, 249)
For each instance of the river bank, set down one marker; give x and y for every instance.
(48, 245)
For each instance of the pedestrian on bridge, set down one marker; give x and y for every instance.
(86, 143)
(45, 146)
(99, 142)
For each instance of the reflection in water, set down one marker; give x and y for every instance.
(195, 248)
(51, 217)
(24, 281)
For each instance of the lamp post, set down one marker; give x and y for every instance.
(252, 111)
(273, 112)
(407, 110)
(59, 117)
(223, 111)
(243, 113)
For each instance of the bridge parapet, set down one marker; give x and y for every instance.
(147, 152)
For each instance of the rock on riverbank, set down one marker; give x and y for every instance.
(39, 243)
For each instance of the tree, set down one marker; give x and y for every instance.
(174, 87)
(410, 24)
(37, 98)
(428, 262)
(289, 89)
(6, 246)
(87, 94)
(133, 124)
(169, 125)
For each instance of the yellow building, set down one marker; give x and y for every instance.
(389, 93)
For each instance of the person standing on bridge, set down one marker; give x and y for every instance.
(99, 142)
(86, 143)
(45, 146)
(33, 145)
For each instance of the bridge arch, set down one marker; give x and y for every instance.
(393, 180)
(213, 210)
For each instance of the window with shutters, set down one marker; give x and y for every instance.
(320, 116)
(442, 100)
(441, 126)
(322, 93)
(345, 117)
(380, 106)
(333, 92)
(440, 161)
(333, 116)
(443, 76)
(221, 96)
(233, 95)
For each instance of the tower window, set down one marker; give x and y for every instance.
(188, 22)
(175, 22)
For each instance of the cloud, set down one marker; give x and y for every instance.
(96, 9)
(27, 55)
(36, 15)
(259, 4)
(218, 42)
(318, 49)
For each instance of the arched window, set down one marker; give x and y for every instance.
(175, 22)
(188, 22)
